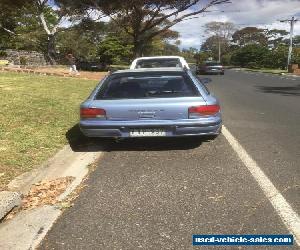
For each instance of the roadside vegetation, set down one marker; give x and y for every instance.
(134, 28)
(248, 47)
(263, 70)
(36, 113)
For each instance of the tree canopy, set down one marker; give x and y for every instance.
(144, 20)
(250, 35)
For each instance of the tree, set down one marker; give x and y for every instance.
(158, 44)
(171, 49)
(296, 55)
(24, 20)
(250, 35)
(81, 39)
(277, 57)
(275, 37)
(189, 54)
(219, 42)
(296, 41)
(221, 29)
(112, 51)
(144, 20)
(50, 23)
(252, 56)
(212, 44)
(10, 11)
(29, 34)
(203, 56)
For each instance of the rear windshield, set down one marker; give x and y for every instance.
(158, 63)
(147, 86)
(212, 64)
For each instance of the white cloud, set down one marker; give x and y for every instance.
(262, 13)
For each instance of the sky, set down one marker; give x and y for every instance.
(260, 13)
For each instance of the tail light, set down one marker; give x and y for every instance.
(92, 113)
(195, 112)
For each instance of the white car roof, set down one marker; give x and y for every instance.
(182, 60)
(157, 57)
(167, 69)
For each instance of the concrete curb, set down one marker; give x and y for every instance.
(27, 229)
(64, 163)
(8, 201)
(291, 75)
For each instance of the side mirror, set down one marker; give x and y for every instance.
(205, 80)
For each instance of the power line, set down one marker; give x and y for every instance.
(292, 22)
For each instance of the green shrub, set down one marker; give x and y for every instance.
(252, 56)
(23, 60)
(3, 53)
(113, 51)
(226, 59)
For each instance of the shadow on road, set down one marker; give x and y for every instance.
(285, 90)
(79, 143)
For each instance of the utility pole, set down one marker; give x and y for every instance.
(219, 50)
(292, 23)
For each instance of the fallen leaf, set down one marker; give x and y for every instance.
(45, 192)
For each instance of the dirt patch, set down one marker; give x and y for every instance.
(57, 71)
(65, 72)
(91, 75)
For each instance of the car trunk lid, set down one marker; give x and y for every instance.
(148, 109)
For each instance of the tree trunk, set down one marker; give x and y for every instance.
(51, 53)
(137, 47)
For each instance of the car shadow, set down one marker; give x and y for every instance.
(79, 143)
(284, 90)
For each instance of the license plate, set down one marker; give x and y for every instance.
(147, 132)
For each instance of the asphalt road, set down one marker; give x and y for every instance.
(155, 194)
(263, 112)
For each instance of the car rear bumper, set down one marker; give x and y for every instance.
(173, 128)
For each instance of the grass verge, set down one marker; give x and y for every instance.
(270, 71)
(36, 113)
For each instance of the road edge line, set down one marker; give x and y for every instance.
(289, 217)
